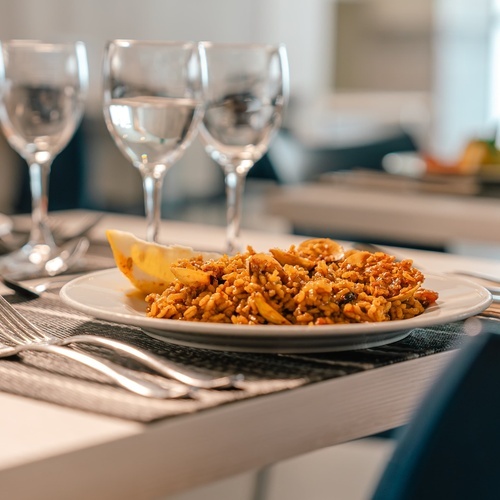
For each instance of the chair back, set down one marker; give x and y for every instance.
(451, 447)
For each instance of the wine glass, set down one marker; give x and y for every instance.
(247, 91)
(152, 107)
(42, 92)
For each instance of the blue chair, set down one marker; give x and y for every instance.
(451, 447)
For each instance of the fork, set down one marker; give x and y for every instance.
(25, 334)
(119, 375)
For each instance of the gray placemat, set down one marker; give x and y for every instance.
(59, 381)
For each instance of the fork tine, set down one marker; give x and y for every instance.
(16, 331)
(24, 330)
(11, 321)
(28, 337)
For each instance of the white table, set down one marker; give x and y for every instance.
(50, 452)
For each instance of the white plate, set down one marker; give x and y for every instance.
(5, 225)
(108, 295)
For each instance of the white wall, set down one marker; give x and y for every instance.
(459, 86)
(462, 73)
(304, 26)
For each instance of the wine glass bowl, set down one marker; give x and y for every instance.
(42, 92)
(152, 105)
(246, 93)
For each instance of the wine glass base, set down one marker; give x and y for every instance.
(33, 260)
(28, 259)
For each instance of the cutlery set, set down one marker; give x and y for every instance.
(61, 231)
(73, 246)
(21, 335)
(31, 291)
(25, 336)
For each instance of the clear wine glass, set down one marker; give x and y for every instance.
(247, 91)
(152, 107)
(42, 92)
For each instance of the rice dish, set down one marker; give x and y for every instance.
(313, 283)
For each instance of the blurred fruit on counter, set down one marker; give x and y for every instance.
(479, 157)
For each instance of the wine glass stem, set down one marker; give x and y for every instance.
(39, 185)
(235, 184)
(152, 201)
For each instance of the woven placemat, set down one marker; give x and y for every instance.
(53, 379)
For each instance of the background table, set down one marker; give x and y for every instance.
(406, 218)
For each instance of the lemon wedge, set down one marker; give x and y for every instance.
(145, 264)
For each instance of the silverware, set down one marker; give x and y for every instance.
(369, 247)
(36, 289)
(492, 312)
(27, 333)
(482, 276)
(23, 290)
(32, 291)
(59, 227)
(119, 375)
(68, 255)
(21, 333)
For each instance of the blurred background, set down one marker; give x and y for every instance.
(368, 77)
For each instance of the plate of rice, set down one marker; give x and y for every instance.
(311, 297)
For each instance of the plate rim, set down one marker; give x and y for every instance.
(270, 331)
